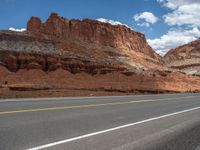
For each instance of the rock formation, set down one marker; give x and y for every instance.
(85, 54)
(91, 31)
(185, 58)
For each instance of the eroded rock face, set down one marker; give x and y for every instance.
(92, 31)
(85, 54)
(88, 44)
(186, 58)
(15, 61)
(34, 24)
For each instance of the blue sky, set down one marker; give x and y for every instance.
(15, 13)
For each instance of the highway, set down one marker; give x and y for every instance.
(140, 122)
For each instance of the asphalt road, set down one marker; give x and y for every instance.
(146, 122)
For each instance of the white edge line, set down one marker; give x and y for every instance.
(109, 130)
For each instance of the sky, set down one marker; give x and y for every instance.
(165, 23)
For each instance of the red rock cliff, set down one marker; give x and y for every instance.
(185, 57)
(81, 44)
(92, 31)
(85, 54)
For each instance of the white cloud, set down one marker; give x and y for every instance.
(184, 15)
(184, 22)
(174, 38)
(147, 17)
(173, 4)
(17, 30)
(144, 24)
(113, 22)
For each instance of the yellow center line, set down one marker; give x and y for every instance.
(70, 107)
(87, 106)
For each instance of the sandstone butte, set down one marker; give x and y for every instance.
(85, 55)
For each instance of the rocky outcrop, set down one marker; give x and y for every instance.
(185, 58)
(93, 32)
(80, 44)
(15, 61)
(34, 24)
(85, 54)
